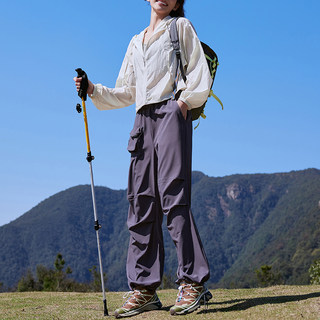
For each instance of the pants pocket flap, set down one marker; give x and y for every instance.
(135, 136)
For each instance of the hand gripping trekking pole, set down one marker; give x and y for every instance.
(83, 95)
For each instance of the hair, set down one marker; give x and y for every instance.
(180, 11)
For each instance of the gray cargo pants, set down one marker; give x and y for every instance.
(160, 183)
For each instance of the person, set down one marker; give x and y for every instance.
(160, 144)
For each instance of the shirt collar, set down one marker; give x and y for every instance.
(160, 27)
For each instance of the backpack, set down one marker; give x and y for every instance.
(212, 60)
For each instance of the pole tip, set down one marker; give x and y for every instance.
(105, 308)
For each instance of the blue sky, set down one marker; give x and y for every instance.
(268, 80)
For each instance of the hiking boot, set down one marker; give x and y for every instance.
(190, 296)
(138, 301)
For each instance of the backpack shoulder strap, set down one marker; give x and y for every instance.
(174, 36)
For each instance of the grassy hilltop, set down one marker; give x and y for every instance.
(278, 302)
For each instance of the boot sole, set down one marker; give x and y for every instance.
(155, 305)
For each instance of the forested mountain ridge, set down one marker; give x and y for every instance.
(245, 221)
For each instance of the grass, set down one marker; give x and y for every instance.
(279, 302)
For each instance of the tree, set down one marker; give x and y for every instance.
(314, 272)
(46, 278)
(266, 277)
(57, 279)
(27, 283)
(60, 276)
(96, 282)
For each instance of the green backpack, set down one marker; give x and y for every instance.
(212, 60)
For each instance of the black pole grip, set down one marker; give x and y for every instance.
(82, 93)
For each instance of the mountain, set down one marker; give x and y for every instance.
(245, 221)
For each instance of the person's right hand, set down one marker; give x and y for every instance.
(78, 84)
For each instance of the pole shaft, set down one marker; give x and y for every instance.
(98, 240)
(97, 231)
(94, 208)
(86, 124)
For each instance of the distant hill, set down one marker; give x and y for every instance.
(245, 221)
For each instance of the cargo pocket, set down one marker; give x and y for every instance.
(135, 141)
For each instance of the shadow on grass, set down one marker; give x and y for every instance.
(167, 308)
(244, 304)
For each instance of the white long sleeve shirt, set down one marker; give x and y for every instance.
(148, 71)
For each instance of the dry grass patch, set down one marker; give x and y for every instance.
(279, 302)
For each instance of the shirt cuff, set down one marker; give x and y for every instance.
(187, 103)
(94, 92)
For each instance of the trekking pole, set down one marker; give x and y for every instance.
(83, 95)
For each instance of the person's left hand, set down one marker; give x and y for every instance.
(184, 108)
